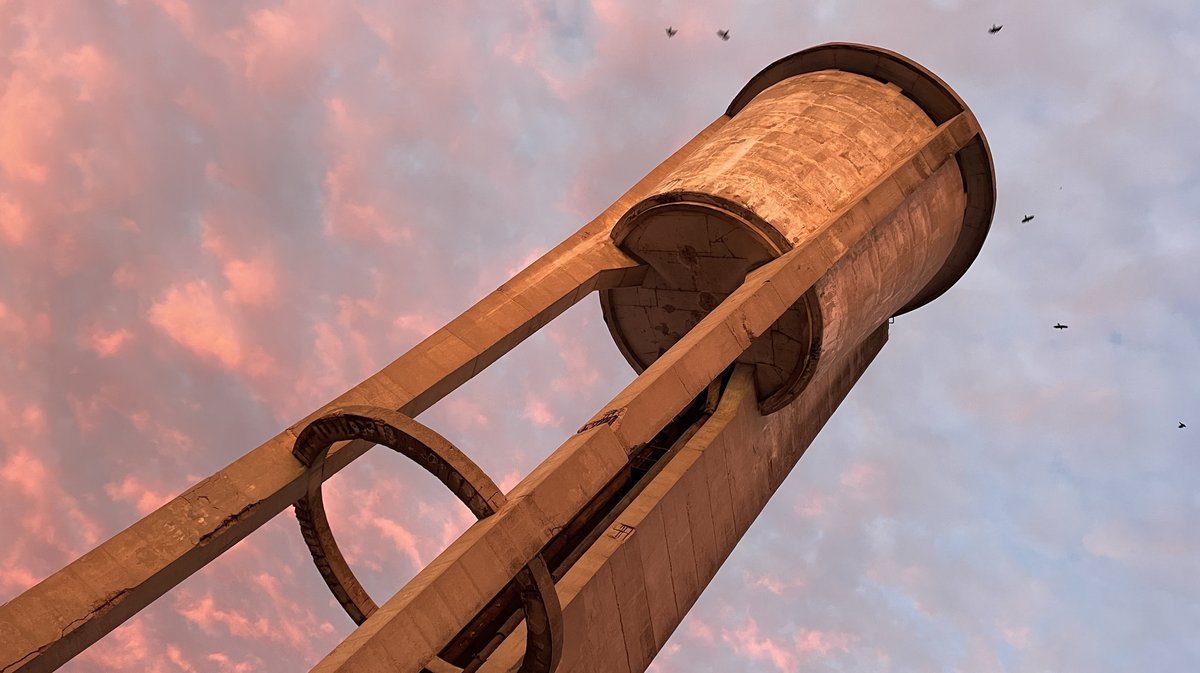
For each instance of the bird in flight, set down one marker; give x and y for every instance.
(1027, 218)
(1181, 425)
(671, 31)
(1059, 325)
(995, 29)
(723, 34)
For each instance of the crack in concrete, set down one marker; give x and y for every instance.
(226, 523)
(98, 607)
(13, 667)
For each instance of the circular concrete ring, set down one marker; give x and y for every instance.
(469, 483)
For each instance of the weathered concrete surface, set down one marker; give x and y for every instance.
(891, 265)
(729, 207)
(802, 150)
(937, 100)
(685, 523)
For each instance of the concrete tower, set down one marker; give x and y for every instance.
(749, 279)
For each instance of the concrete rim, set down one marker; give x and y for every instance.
(468, 482)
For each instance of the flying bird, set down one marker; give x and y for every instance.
(995, 29)
(671, 31)
(723, 34)
(1059, 325)
(1181, 425)
(1027, 218)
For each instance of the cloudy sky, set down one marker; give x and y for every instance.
(216, 216)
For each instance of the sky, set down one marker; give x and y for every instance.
(217, 216)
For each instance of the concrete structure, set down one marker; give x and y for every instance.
(749, 278)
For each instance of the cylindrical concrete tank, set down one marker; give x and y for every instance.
(807, 137)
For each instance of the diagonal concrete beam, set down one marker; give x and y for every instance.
(684, 523)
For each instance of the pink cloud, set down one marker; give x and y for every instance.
(509, 480)
(191, 316)
(342, 352)
(821, 643)
(175, 656)
(125, 276)
(361, 204)
(130, 647)
(228, 665)
(523, 49)
(1164, 547)
(140, 419)
(205, 614)
(29, 120)
(86, 412)
(806, 644)
(132, 490)
(53, 525)
(662, 662)
(391, 510)
(251, 282)
(347, 503)
(813, 505)
(579, 197)
(539, 412)
(47, 78)
(280, 46)
(256, 597)
(700, 630)
(401, 537)
(344, 123)
(581, 371)
(178, 11)
(460, 520)
(92, 71)
(773, 584)
(18, 331)
(611, 14)
(862, 476)
(356, 318)
(529, 258)
(386, 526)
(20, 423)
(526, 50)
(1017, 636)
(465, 412)
(420, 325)
(107, 343)
(352, 215)
(330, 352)
(298, 621)
(13, 577)
(14, 221)
(748, 641)
(24, 471)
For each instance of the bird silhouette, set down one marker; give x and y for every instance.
(1027, 218)
(1059, 325)
(723, 34)
(1181, 425)
(995, 29)
(671, 31)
